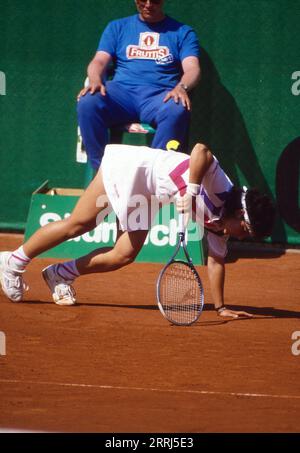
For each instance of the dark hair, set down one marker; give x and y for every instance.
(261, 210)
(233, 201)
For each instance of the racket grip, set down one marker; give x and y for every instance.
(181, 223)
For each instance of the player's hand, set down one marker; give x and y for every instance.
(184, 206)
(184, 203)
(179, 94)
(93, 87)
(234, 314)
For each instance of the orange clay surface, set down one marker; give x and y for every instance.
(114, 364)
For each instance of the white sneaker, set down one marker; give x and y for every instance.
(62, 291)
(11, 279)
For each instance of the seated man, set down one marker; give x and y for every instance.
(155, 175)
(156, 65)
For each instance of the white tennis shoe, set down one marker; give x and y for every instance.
(62, 290)
(11, 279)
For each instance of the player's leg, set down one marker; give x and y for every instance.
(170, 119)
(82, 219)
(127, 246)
(97, 113)
(60, 277)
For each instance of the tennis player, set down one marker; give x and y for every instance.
(197, 183)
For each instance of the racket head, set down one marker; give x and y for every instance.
(179, 292)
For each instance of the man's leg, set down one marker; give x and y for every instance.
(170, 119)
(97, 113)
(82, 219)
(60, 277)
(127, 247)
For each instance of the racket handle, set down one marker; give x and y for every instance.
(181, 223)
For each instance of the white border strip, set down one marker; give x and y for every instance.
(20, 431)
(142, 389)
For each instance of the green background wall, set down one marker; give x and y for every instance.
(247, 107)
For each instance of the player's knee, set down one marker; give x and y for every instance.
(124, 259)
(127, 259)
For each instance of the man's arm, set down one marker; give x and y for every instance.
(191, 72)
(216, 275)
(200, 161)
(190, 78)
(95, 70)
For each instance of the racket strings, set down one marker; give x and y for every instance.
(181, 296)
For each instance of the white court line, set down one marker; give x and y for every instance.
(142, 389)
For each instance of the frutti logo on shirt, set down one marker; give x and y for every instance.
(148, 48)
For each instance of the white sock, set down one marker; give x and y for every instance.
(68, 270)
(19, 260)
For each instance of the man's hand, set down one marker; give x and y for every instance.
(184, 203)
(184, 206)
(93, 87)
(226, 312)
(179, 94)
(96, 69)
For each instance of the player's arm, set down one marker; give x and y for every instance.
(216, 275)
(95, 71)
(200, 161)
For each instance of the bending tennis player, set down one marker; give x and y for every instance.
(131, 173)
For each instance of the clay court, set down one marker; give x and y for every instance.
(114, 364)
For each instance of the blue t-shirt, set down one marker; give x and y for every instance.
(148, 54)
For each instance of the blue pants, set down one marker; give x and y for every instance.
(122, 105)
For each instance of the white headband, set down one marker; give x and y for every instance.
(244, 206)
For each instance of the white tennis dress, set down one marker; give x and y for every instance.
(137, 177)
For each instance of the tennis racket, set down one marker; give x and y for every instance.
(179, 290)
